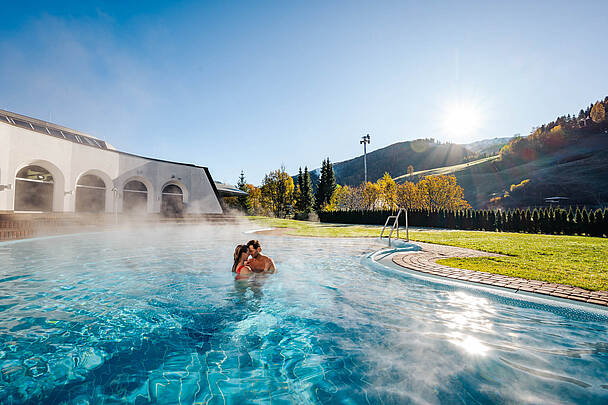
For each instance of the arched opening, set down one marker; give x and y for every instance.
(90, 194)
(172, 204)
(135, 197)
(34, 189)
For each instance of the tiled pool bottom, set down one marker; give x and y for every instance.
(155, 316)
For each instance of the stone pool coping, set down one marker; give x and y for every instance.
(424, 261)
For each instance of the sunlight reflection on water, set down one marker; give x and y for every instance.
(156, 316)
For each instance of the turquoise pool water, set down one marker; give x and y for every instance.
(155, 316)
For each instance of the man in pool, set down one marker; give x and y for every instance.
(258, 262)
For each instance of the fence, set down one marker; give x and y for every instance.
(552, 221)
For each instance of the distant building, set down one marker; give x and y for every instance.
(45, 167)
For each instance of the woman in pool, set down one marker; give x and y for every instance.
(241, 254)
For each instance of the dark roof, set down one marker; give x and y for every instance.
(228, 190)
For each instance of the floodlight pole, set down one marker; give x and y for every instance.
(365, 140)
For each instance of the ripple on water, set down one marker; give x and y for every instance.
(156, 317)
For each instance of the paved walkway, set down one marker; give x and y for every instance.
(425, 262)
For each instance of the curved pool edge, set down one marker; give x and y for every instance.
(382, 260)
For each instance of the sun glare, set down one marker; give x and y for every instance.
(461, 121)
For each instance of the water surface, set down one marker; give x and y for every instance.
(155, 316)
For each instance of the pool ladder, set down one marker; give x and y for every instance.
(395, 225)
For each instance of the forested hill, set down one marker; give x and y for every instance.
(422, 154)
(565, 160)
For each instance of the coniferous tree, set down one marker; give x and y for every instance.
(321, 188)
(570, 225)
(535, 221)
(242, 185)
(528, 221)
(498, 220)
(299, 195)
(326, 186)
(307, 195)
(585, 225)
(596, 227)
(551, 221)
(331, 180)
(578, 220)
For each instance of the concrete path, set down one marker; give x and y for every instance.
(425, 262)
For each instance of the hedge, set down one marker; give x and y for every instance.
(552, 221)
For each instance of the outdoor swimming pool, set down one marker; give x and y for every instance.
(156, 317)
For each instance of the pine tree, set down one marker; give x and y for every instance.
(331, 181)
(585, 226)
(307, 195)
(535, 221)
(320, 194)
(326, 186)
(528, 222)
(570, 225)
(242, 185)
(578, 219)
(494, 220)
(596, 227)
(299, 195)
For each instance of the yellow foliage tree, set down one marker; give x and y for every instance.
(370, 193)
(441, 192)
(408, 196)
(277, 193)
(387, 192)
(254, 200)
(598, 112)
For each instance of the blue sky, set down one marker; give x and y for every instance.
(254, 85)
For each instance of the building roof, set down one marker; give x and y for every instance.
(55, 130)
(227, 190)
(68, 134)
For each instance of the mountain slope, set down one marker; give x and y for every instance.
(422, 154)
(487, 146)
(577, 172)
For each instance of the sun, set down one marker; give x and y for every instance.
(461, 121)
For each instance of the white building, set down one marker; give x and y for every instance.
(49, 168)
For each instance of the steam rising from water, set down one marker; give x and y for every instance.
(153, 314)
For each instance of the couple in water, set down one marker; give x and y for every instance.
(258, 263)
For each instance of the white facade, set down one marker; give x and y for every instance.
(67, 161)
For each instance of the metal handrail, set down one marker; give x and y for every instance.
(396, 226)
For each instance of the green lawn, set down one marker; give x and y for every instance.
(575, 260)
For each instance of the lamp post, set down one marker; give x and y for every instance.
(365, 140)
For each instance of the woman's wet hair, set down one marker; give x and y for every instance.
(240, 249)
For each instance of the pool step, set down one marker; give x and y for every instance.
(20, 226)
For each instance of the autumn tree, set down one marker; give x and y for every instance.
(408, 196)
(442, 192)
(410, 171)
(598, 112)
(387, 192)
(277, 193)
(370, 192)
(254, 200)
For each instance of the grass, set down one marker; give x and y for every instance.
(575, 260)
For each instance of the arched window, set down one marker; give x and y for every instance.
(90, 194)
(135, 197)
(172, 201)
(34, 190)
